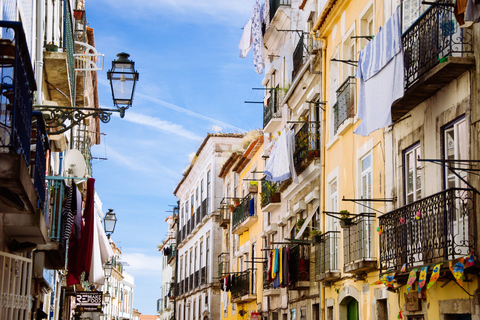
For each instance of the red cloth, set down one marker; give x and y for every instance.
(80, 251)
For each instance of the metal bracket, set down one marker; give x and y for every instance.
(349, 62)
(55, 116)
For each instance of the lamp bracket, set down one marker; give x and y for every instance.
(56, 116)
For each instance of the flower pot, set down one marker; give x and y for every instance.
(346, 222)
(232, 208)
(275, 197)
(51, 47)
(318, 239)
(236, 203)
(253, 189)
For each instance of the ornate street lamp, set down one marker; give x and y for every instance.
(123, 78)
(109, 222)
(106, 297)
(107, 269)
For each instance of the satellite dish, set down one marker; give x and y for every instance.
(74, 164)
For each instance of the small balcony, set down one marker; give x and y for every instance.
(326, 256)
(223, 264)
(245, 215)
(204, 208)
(186, 284)
(344, 108)
(270, 196)
(436, 52)
(445, 230)
(243, 291)
(276, 4)
(298, 56)
(191, 282)
(272, 114)
(307, 146)
(196, 279)
(224, 217)
(181, 287)
(359, 256)
(203, 276)
(299, 266)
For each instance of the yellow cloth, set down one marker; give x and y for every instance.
(274, 275)
(280, 268)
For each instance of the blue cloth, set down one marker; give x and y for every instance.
(252, 207)
(276, 263)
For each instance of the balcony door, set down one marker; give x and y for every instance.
(364, 224)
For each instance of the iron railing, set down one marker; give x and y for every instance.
(17, 87)
(266, 284)
(307, 144)
(181, 288)
(435, 35)
(199, 215)
(242, 285)
(326, 253)
(445, 230)
(56, 194)
(191, 282)
(272, 108)
(224, 215)
(275, 4)
(344, 108)
(204, 207)
(69, 46)
(15, 288)
(41, 146)
(186, 283)
(299, 263)
(82, 142)
(269, 193)
(298, 55)
(223, 264)
(358, 239)
(196, 278)
(245, 210)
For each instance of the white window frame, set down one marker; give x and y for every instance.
(416, 170)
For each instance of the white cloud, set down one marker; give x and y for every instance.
(161, 125)
(142, 262)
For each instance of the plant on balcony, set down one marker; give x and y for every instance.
(236, 202)
(51, 47)
(345, 219)
(299, 225)
(231, 207)
(316, 236)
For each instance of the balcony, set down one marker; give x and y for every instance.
(358, 245)
(326, 256)
(181, 287)
(223, 264)
(436, 52)
(196, 279)
(245, 215)
(344, 108)
(299, 266)
(186, 284)
(446, 230)
(307, 146)
(275, 4)
(298, 56)
(225, 217)
(243, 290)
(270, 196)
(272, 114)
(204, 208)
(191, 282)
(268, 289)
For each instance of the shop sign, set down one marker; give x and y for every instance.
(89, 301)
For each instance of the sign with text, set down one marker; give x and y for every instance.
(90, 301)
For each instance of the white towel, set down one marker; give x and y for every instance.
(246, 40)
(290, 152)
(381, 77)
(277, 168)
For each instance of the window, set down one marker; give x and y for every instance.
(201, 253)
(331, 221)
(412, 174)
(207, 256)
(455, 148)
(201, 190)
(196, 265)
(365, 225)
(367, 25)
(208, 191)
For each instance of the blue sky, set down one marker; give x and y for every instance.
(192, 82)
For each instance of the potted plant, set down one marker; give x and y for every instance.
(345, 219)
(253, 187)
(273, 192)
(316, 236)
(231, 207)
(236, 202)
(51, 47)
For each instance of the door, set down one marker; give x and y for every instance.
(352, 310)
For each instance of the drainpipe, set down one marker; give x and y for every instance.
(322, 173)
(39, 50)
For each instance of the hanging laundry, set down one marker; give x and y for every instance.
(422, 279)
(411, 279)
(279, 165)
(67, 214)
(251, 208)
(270, 263)
(287, 266)
(381, 77)
(470, 260)
(457, 269)
(280, 264)
(472, 13)
(257, 38)
(404, 268)
(435, 275)
(459, 11)
(246, 40)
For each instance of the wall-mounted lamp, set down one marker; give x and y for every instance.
(109, 222)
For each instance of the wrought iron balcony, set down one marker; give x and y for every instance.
(298, 56)
(223, 264)
(344, 108)
(181, 288)
(271, 111)
(270, 194)
(204, 208)
(358, 249)
(275, 4)
(242, 289)
(445, 230)
(191, 283)
(299, 266)
(186, 283)
(224, 216)
(245, 215)
(436, 51)
(268, 289)
(326, 256)
(307, 146)
(196, 279)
